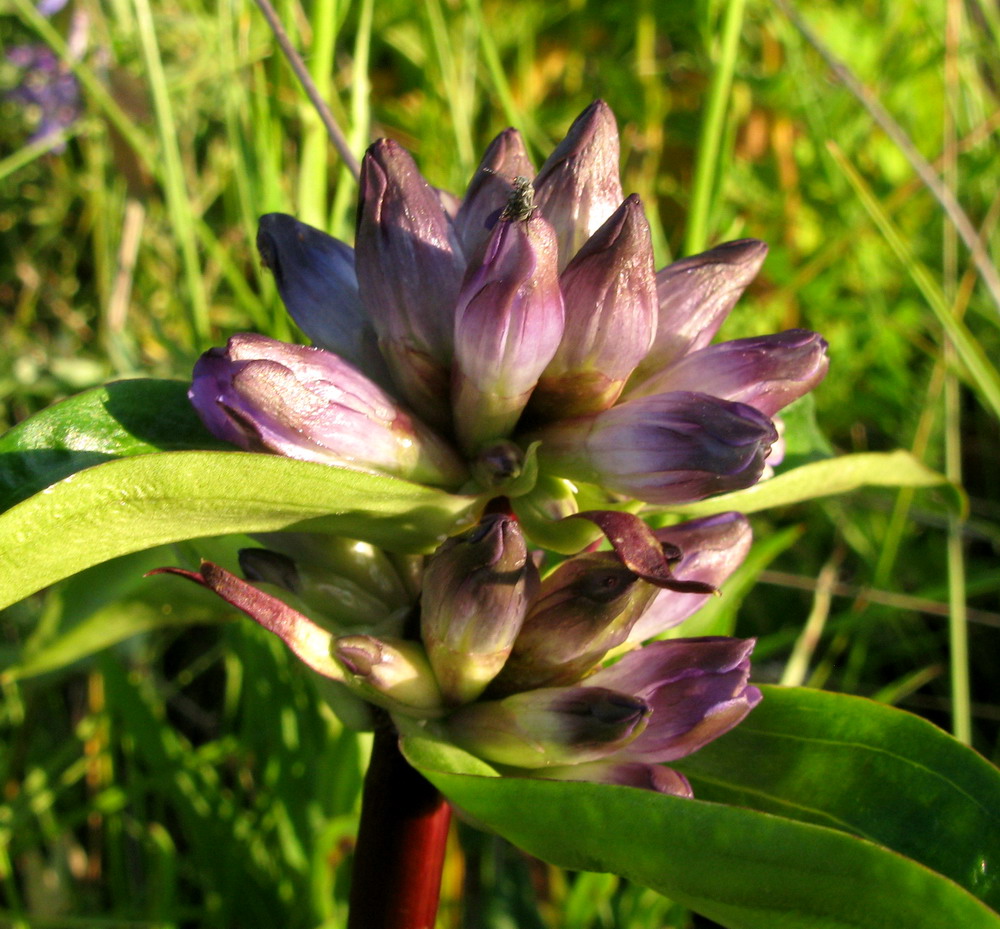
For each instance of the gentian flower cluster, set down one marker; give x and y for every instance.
(518, 346)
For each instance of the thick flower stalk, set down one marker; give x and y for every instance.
(517, 346)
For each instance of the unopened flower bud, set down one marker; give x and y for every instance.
(410, 267)
(316, 279)
(392, 673)
(339, 598)
(551, 726)
(767, 372)
(306, 403)
(475, 594)
(508, 324)
(697, 690)
(695, 296)
(668, 448)
(579, 186)
(490, 188)
(609, 290)
(584, 608)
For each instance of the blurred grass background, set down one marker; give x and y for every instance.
(192, 775)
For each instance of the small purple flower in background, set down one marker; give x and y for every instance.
(513, 346)
(48, 89)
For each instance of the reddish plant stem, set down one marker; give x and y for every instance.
(396, 877)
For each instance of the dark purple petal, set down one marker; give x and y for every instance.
(315, 277)
(307, 640)
(711, 549)
(767, 372)
(305, 403)
(610, 295)
(476, 591)
(551, 726)
(505, 160)
(624, 774)
(668, 448)
(640, 549)
(579, 186)
(409, 268)
(695, 296)
(508, 325)
(645, 670)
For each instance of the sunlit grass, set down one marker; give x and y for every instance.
(195, 777)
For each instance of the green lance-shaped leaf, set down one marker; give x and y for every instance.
(135, 503)
(743, 868)
(825, 478)
(118, 420)
(864, 768)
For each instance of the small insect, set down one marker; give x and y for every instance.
(520, 202)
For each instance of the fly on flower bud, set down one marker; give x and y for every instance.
(584, 608)
(508, 324)
(392, 673)
(609, 290)
(409, 267)
(475, 594)
(551, 726)
(667, 448)
(306, 403)
(505, 158)
(579, 186)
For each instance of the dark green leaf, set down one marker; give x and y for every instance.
(114, 421)
(865, 768)
(135, 503)
(742, 868)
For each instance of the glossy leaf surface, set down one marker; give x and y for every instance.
(135, 503)
(823, 479)
(116, 420)
(743, 868)
(866, 768)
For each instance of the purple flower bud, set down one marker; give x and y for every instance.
(579, 186)
(409, 269)
(551, 726)
(668, 448)
(768, 372)
(476, 591)
(711, 549)
(624, 774)
(392, 673)
(490, 188)
(610, 294)
(306, 403)
(508, 324)
(315, 277)
(696, 295)
(584, 608)
(697, 689)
